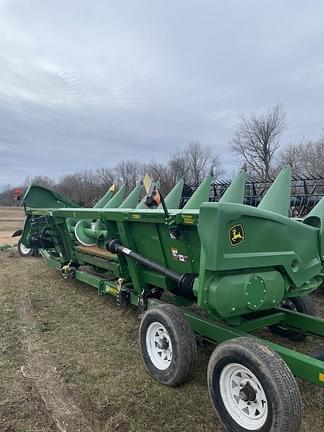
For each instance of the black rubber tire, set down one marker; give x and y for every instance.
(302, 304)
(280, 387)
(22, 252)
(183, 342)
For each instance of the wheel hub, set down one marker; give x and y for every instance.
(247, 393)
(159, 346)
(162, 343)
(243, 396)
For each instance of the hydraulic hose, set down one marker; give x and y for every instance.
(184, 281)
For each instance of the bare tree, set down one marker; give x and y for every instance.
(160, 172)
(305, 158)
(41, 181)
(7, 196)
(129, 172)
(314, 157)
(293, 155)
(201, 159)
(105, 176)
(256, 140)
(82, 187)
(193, 163)
(178, 166)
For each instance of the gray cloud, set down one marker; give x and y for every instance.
(86, 84)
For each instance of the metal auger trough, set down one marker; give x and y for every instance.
(209, 271)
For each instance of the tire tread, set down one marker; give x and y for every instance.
(275, 367)
(173, 318)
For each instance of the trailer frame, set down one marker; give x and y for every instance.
(216, 331)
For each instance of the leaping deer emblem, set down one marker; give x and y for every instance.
(236, 234)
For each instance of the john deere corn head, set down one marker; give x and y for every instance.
(209, 271)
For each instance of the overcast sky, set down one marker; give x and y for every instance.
(85, 84)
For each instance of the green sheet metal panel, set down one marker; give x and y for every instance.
(43, 197)
(261, 239)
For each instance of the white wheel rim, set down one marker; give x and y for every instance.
(159, 346)
(243, 396)
(24, 250)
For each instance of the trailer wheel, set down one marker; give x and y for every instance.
(302, 304)
(252, 388)
(23, 250)
(167, 345)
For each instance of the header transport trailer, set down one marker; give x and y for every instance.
(209, 271)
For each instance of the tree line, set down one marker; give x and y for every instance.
(256, 142)
(192, 163)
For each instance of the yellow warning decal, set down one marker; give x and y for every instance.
(187, 219)
(111, 290)
(136, 216)
(321, 377)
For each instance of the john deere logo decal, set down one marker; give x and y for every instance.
(236, 234)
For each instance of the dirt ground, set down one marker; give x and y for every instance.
(69, 361)
(11, 219)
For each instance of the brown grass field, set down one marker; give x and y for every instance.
(11, 219)
(69, 361)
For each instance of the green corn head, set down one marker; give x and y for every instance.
(230, 258)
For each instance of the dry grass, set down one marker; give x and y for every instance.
(91, 344)
(65, 350)
(11, 219)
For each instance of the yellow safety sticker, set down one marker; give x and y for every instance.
(111, 290)
(187, 219)
(321, 377)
